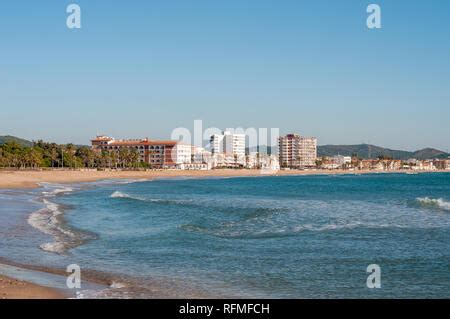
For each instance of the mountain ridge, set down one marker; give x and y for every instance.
(13, 139)
(372, 152)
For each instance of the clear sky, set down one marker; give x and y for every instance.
(142, 68)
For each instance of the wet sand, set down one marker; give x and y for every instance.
(17, 289)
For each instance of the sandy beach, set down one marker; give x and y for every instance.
(17, 289)
(32, 178)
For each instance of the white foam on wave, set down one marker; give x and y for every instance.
(55, 247)
(439, 202)
(46, 221)
(117, 285)
(52, 190)
(326, 227)
(119, 194)
(132, 181)
(58, 191)
(43, 220)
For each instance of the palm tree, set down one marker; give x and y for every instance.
(53, 154)
(70, 152)
(114, 158)
(134, 157)
(35, 158)
(123, 157)
(85, 156)
(104, 159)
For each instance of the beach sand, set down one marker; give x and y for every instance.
(31, 178)
(18, 289)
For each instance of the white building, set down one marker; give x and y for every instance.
(194, 166)
(262, 161)
(228, 143)
(216, 143)
(201, 156)
(341, 160)
(234, 144)
(182, 153)
(269, 164)
(228, 149)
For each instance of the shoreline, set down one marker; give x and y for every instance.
(28, 281)
(19, 282)
(17, 179)
(11, 288)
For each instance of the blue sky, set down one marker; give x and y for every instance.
(143, 68)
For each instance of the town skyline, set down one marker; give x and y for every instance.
(87, 143)
(225, 150)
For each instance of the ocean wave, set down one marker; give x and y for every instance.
(48, 220)
(51, 190)
(122, 181)
(433, 202)
(248, 232)
(57, 191)
(119, 194)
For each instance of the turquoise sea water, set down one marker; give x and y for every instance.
(278, 237)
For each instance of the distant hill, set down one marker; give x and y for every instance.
(429, 153)
(372, 151)
(9, 139)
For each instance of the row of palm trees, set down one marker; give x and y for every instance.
(42, 154)
(28, 158)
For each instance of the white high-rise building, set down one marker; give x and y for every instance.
(228, 144)
(228, 147)
(234, 144)
(216, 143)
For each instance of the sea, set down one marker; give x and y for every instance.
(240, 237)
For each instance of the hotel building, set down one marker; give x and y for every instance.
(297, 151)
(158, 154)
